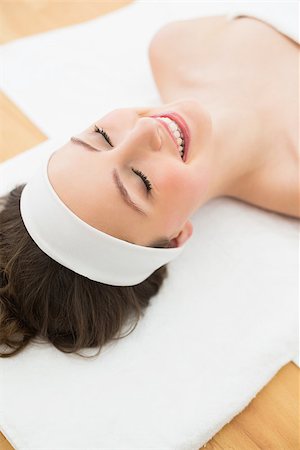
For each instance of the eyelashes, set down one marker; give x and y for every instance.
(144, 178)
(104, 134)
(137, 172)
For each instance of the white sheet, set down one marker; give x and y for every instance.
(226, 319)
(74, 75)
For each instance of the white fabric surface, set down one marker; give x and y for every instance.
(284, 17)
(225, 321)
(67, 73)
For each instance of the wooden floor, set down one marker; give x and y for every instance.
(271, 420)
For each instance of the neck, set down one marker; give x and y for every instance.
(237, 147)
(238, 144)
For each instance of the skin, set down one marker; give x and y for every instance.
(235, 134)
(246, 74)
(83, 178)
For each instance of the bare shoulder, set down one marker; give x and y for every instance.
(197, 24)
(180, 33)
(179, 48)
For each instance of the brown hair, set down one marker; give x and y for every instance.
(41, 298)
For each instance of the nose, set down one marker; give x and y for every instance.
(143, 137)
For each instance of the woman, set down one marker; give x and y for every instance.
(228, 126)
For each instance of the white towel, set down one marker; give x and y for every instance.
(67, 73)
(283, 16)
(224, 322)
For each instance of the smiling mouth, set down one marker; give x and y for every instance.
(174, 132)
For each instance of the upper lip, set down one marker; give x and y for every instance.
(171, 134)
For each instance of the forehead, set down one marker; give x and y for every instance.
(87, 188)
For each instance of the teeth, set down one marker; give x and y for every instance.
(176, 133)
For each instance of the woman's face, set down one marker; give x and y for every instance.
(91, 178)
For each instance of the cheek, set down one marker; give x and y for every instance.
(181, 191)
(124, 116)
(174, 183)
(176, 197)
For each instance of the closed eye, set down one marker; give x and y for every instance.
(139, 173)
(104, 134)
(144, 178)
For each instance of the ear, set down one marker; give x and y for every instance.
(183, 235)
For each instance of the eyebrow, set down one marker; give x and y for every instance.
(121, 188)
(124, 193)
(84, 144)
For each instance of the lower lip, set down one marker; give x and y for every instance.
(184, 128)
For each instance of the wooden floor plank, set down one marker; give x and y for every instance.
(27, 17)
(17, 132)
(4, 444)
(270, 421)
